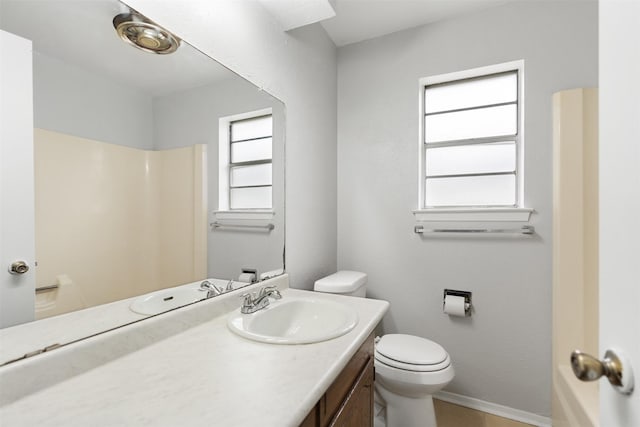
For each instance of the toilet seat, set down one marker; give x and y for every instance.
(405, 382)
(412, 367)
(411, 353)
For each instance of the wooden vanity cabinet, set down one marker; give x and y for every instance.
(348, 402)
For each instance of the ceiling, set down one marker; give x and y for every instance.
(81, 33)
(358, 20)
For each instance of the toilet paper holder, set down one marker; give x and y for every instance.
(250, 271)
(468, 306)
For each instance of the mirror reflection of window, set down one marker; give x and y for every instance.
(250, 165)
(250, 161)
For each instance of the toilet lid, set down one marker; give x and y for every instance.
(380, 359)
(411, 350)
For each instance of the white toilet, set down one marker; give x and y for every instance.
(409, 369)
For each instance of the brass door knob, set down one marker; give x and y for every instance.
(18, 267)
(588, 368)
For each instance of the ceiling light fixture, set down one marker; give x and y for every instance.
(145, 34)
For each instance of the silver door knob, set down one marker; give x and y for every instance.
(18, 267)
(588, 368)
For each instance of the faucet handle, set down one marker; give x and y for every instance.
(267, 289)
(229, 286)
(248, 298)
(271, 291)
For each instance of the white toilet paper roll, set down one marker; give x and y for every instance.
(454, 305)
(247, 277)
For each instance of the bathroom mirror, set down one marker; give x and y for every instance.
(152, 171)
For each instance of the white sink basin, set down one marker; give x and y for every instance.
(161, 301)
(295, 320)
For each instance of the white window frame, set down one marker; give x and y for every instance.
(474, 213)
(224, 166)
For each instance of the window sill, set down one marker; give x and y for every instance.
(473, 214)
(245, 214)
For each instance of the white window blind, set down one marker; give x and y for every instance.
(472, 141)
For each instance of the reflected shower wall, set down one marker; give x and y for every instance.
(113, 222)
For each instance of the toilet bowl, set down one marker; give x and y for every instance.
(409, 369)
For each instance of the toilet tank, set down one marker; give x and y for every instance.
(351, 283)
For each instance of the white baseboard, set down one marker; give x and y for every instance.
(495, 409)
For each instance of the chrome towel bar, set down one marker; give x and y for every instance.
(525, 229)
(217, 224)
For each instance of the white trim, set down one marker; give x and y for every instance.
(518, 66)
(245, 214)
(247, 115)
(494, 408)
(521, 133)
(223, 153)
(474, 72)
(223, 162)
(473, 214)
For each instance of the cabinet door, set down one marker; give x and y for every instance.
(349, 400)
(312, 420)
(357, 409)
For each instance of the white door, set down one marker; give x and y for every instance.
(620, 201)
(17, 291)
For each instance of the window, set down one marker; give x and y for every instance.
(246, 161)
(471, 139)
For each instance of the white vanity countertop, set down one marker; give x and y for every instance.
(203, 376)
(68, 327)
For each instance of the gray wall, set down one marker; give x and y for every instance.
(299, 68)
(503, 353)
(191, 117)
(72, 100)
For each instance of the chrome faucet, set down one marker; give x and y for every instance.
(211, 288)
(254, 303)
